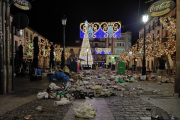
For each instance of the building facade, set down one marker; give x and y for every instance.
(154, 28)
(116, 46)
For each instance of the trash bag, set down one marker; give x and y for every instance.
(60, 75)
(65, 78)
(121, 81)
(39, 71)
(51, 77)
(62, 102)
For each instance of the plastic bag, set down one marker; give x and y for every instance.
(53, 86)
(85, 111)
(62, 102)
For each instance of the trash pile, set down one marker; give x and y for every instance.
(92, 83)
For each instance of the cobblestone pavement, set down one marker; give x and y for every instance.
(49, 111)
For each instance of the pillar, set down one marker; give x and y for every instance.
(2, 91)
(8, 66)
(177, 78)
(4, 43)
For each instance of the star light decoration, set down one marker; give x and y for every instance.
(43, 51)
(100, 30)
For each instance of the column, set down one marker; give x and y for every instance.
(2, 91)
(4, 43)
(177, 78)
(8, 66)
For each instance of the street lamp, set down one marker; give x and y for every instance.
(87, 57)
(64, 19)
(145, 19)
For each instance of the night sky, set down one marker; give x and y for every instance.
(45, 16)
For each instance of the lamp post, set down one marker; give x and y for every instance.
(87, 57)
(64, 19)
(145, 19)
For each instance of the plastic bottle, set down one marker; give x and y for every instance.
(58, 97)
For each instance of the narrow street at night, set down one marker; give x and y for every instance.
(86, 60)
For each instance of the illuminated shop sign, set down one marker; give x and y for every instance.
(22, 4)
(161, 7)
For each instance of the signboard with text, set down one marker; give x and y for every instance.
(161, 7)
(22, 4)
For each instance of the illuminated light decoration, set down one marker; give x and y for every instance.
(102, 50)
(100, 34)
(101, 30)
(43, 51)
(81, 34)
(90, 32)
(57, 51)
(67, 54)
(29, 49)
(118, 33)
(110, 31)
(85, 46)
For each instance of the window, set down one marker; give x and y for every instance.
(122, 38)
(109, 44)
(123, 44)
(129, 44)
(31, 37)
(16, 45)
(26, 34)
(101, 44)
(119, 51)
(102, 39)
(96, 44)
(20, 32)
(104, 45)
(158, 32)
(129, 38)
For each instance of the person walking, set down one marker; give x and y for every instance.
(161, 71)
